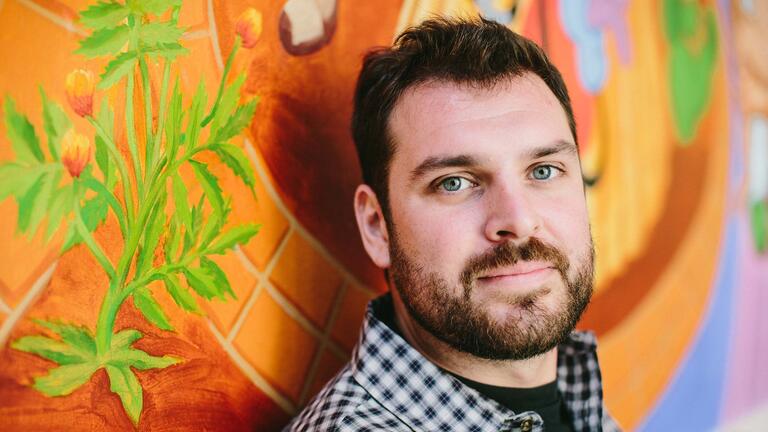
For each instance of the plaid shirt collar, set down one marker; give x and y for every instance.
(426, 398)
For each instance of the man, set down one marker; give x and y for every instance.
(474, 205)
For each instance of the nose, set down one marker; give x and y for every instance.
(511, 214)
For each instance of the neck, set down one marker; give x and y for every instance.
(532, 372)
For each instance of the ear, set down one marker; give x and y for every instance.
(373, 228)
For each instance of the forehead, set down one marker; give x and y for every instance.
(443, 118)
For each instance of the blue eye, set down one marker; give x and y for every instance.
(454, 184)
(544, 172)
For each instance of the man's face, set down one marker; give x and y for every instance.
(489, 238)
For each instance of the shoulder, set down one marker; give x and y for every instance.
(336, 400)
(344, 405)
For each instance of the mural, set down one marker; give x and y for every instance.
(177, 244)
(187, 238)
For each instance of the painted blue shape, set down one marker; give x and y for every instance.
(692, 402)
(590, 52)
(492, 12)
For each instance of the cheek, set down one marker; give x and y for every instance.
(438, 239)
(568, 221)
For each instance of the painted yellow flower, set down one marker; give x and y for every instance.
(76, 152)
(79, 87)
(248, 27)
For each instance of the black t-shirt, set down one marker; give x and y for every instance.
(544, 400)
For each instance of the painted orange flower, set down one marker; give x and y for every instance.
(79, 87)
(76, 152)
(249, 27)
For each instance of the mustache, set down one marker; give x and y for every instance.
(509, 254)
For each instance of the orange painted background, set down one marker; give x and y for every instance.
(671, 100)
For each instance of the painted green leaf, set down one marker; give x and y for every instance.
(155, 33)
(51, 349)
(106, 196)
(104, 14)
(121, 66)
(152, 232)
(13, 178)
(234, 157)
(219, 277)
(210, 186)
(192, 232)
(141, 360)
(211, 229)
(104, 41)
(152, 311)
(234, 236)
(44, 200)
(197, 214)
(61, 206)
(202, 282)
(94, 211)
(171, 246)
(78, 337)
(173, 120)
(168, 50)
(154, 7)
(16, 179)
(106, 120)
(124, 338)
(55, 123)
(65, 379)
(180, 295)
(21, 133)
(28, 202)
(181, 211)
(195, 115)
(227, 105)
(124, 383)
(238, 121)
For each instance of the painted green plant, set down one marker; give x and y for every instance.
(691, 31)
(62, 185)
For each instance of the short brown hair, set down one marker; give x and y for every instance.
(474, 51)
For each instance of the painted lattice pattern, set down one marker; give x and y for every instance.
(283, 279)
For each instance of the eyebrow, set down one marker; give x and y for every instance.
(559, 146)
(438, 162)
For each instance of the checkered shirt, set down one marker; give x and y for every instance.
(389, 386)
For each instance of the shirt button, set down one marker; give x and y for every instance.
(526, 425)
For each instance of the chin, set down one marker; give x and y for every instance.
(542, 303)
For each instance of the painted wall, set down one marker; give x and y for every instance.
(671, 100)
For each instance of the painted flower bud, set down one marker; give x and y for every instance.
(79, 87)
(76, 152)
(248, 27)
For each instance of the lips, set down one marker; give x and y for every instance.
(519, 269)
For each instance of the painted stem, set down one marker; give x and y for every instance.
(118, 292)
(149, 143)
(106, 322)
(87, 237)
(130, 125)
(99, 188)
(121, 167)
(155, 272)
(163, 109)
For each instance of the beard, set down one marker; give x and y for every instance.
(467, 327)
